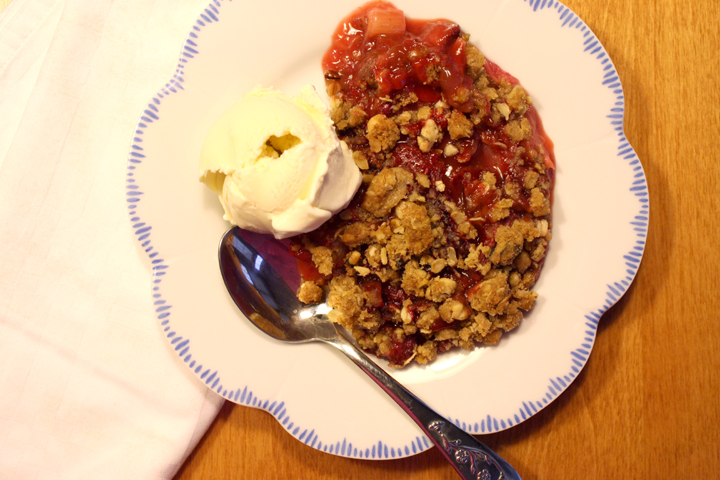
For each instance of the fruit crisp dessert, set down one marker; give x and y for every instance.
(444, 240)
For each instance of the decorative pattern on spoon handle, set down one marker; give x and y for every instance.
(474, 460)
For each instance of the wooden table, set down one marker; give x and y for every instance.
(646, 405)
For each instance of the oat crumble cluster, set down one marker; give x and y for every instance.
(442, 244)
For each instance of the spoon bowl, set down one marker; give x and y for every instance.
(263, 295)
(259, 285)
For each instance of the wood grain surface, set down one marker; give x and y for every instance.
(646, 405)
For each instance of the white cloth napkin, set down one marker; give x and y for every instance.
(89, 389)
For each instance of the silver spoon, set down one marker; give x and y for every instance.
(264, 296)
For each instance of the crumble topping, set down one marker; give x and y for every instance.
(446, 237)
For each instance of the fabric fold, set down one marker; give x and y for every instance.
(89, 387)
(26, 31)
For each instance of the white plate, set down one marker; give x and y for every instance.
(600, 223)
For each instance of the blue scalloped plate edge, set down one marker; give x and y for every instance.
(380, 450)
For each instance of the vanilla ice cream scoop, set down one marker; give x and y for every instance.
(277, 164)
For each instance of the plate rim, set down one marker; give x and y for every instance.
(579, 356)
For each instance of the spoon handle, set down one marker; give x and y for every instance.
(470, 458)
